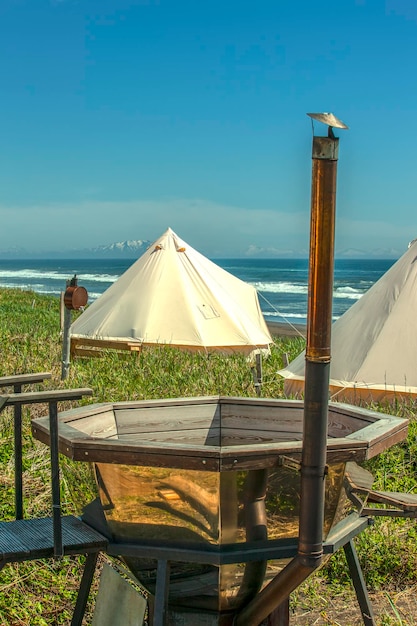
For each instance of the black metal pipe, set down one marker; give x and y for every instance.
(316, 396)
(18, 454)
(56, 490)
(313, 464)
(274, 594)
(254, 494)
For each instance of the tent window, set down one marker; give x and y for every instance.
(208, 311)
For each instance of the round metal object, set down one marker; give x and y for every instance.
(75, 297)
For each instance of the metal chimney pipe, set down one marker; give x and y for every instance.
(317, 368)
(316, 395)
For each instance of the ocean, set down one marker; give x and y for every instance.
(281, 283)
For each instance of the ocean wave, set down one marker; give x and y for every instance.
(347, 292)
(30, 274)
(100, 278)
(38, 288)
(93, 296)
(341, 292)
(281, 287)
(286, 315)
(43, 289)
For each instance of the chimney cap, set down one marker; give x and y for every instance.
(329, 119)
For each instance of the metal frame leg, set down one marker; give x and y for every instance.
(84, 590)
(161, 593)
(18, 463)
(359, 584)
(56, 488)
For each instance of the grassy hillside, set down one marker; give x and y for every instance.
(42, 593)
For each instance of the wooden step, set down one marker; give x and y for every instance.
(28, 539)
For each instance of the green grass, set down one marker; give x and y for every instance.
(43, 593)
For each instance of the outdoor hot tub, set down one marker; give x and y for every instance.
(214, 481)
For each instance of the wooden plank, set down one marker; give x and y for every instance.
(199, 437)
(156, 419)
(408, 501)
(24, 379)
(11, 544)
(269, 402)
(57, 395)
(100, 425)
(96, 416)
(100, 343)
(358, 477)
(354, 412)
(272, 426)
(358, 420)
(146, 459)
(239, 436)
(342, 425)
(83, 412)
(87, 352)
(260, 410)
(69, 438)
(104, 344)
(382, 433)
(263, 417)
(29, 539)
(379, 445)
(254, 462)
(168, 402)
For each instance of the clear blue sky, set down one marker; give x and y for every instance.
(120, 118)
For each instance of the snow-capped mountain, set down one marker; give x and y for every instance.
(124, 249)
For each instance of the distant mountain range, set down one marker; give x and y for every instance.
(347, 253)
(130, 249)
(376, 253)
(133, 249)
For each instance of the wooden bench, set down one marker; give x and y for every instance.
(359, 488)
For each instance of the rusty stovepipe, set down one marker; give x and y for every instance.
(313, 463)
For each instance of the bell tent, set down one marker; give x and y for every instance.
(174, 295)
(374, 344)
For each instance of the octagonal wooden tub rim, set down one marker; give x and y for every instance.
(88, 433)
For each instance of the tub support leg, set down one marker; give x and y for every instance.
(161, 593)
(359, 584)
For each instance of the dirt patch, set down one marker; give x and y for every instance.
(397, 608)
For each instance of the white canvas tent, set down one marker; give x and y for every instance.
(374, 344)
(174, 295)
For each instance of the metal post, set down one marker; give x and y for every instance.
(18, 451)
(161, 593)
(66, 344)
(56, 491)
(257, 374)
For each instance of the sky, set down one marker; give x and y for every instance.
(121, 118)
